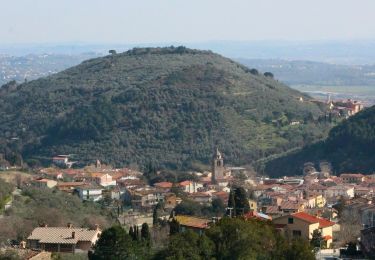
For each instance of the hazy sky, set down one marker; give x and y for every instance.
(153, 21)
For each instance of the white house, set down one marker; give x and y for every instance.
(190, 186)
(89, 192)
(340, 190)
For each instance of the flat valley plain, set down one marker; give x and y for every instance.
(365, 94)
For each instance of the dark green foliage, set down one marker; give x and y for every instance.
(170, 106)
(230, 238)
(174, 227)
(238, 201)
(134, 233)
(156, 213)
(298, 249)
(317, 239)
(187, 245)
(351, 249)
(268, 74)
(114, 243)
(55, 208)
(231, 204)
(218, 206)
(349, 147)
(5, 193)
(9, 254)
(188, 207)
(235, 238)
(90, 122)
(192, 208)
(131, 233)
(241, 201)
(145, 234)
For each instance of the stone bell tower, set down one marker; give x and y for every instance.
(217, 167)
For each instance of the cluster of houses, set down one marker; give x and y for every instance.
(345, 108)
(296, 205)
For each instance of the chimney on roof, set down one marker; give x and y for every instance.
(69, 225)
(43, 225)
(97, 227)
(73, 234)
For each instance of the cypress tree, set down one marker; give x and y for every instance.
(131, 232)
(174, 227)
(232, 204)
(241, 202)
(145, 234)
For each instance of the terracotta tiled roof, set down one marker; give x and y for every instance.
(70, 184)
(222, 195)
(328, 237)
(116, 175)
(194, 222)
(96, 174)
(62, 235)
(272, 210)
(185, 183)
(289, 205)
(163, 184)
(351, 175)
(312, 219)
(200, 194)
(257, 215)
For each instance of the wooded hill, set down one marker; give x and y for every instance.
(166, 106)
(350, 147)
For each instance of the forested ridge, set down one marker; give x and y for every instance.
(350, 147)
(168, 106)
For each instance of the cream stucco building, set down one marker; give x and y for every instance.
(302, 225)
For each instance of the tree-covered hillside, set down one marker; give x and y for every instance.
(169, 106)
(350, 147)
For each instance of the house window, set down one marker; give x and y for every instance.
(290, 220)
(296, 233)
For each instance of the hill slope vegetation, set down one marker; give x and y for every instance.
(349, 147)
(167, 106)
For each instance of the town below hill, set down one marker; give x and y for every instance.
(159, 214)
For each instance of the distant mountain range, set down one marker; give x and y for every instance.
(315, 73)
(334, 52)
(166, 106)
(33, 66)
